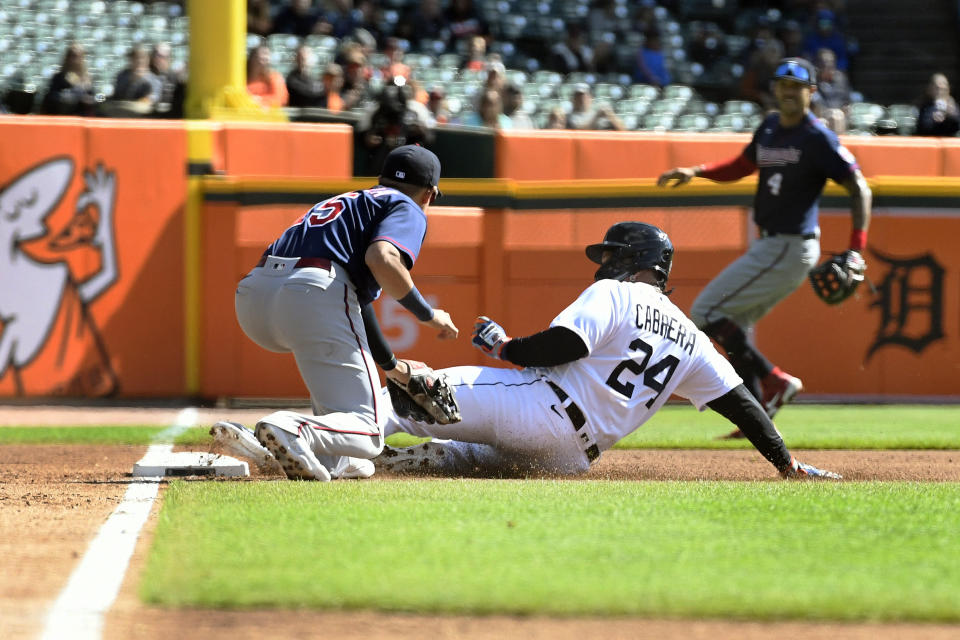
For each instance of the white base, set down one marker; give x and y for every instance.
(190, 463)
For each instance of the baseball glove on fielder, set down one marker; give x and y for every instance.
(427, 397)
(836, 279)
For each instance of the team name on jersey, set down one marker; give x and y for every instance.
(666, 326)
(777, 156)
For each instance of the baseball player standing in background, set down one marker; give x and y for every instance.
(311, 295)
(607, 363)
(796, 154)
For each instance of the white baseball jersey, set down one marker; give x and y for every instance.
(641, 349)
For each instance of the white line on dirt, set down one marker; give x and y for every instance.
(93, 586)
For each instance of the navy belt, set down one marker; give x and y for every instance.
(576, 418)
(322, 263)
(770, 234)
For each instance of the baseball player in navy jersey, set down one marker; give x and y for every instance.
(311, 294)
(796, 154)
(605, 366)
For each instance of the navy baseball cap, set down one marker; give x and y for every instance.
(412, 164)
(798, 70)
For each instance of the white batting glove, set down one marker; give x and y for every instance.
(489, 337)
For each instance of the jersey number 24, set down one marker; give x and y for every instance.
(668, 364)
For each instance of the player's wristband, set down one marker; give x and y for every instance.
(858, 240)
(389, 365)
(415, 304)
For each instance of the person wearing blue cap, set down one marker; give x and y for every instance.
(795, 154)
(311, 294)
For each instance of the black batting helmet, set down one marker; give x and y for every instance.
(634, 246)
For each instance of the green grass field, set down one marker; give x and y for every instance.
(882, 551)
(877, 551)
(676, 426)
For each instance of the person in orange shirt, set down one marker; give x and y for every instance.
(264, 83)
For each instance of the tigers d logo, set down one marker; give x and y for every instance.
(910, 299)
(55, 261)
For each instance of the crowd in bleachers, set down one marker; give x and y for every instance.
(687, 65)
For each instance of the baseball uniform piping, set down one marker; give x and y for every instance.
(346, 310)
(749, 282)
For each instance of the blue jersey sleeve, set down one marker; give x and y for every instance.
(837, 162)
(404, 226)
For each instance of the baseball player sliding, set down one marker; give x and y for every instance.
(796, 154)
(607, 363)
(311, 295)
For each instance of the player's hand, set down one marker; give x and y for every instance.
(682, 175)
(401, 373)
(441, 322)
(489, 337)
(800, 471)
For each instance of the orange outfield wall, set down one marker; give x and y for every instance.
(561, 155)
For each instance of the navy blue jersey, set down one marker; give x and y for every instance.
(794, 164)
(342, 227)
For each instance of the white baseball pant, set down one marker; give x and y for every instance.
(513, 424)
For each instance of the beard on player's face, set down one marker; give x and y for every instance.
(793, 98)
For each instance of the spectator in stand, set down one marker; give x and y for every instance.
(476, 59)
(607, 16)
(832, 99)
(136, 85)
(513, 108)
(489, 112)
(172, 84)
(464, 21)
(938, 115)
(395, 66)
(356, 75)
(332, 86)
(437, 105)
(425, 22)
(264, 83)
(556, 119)
(584, 116)
(396, 120)
(259, 20)
(297, 17)
(496, 77)
(760, 34)
(651, 65)
(303, 86)
(755, 85)
(706, 45)
(791, 35)
(70, 92)
(825, 35)
(340, 19)
(573, 53)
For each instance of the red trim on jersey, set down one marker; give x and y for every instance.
(728, 170)
(373, 388)
(858, 239)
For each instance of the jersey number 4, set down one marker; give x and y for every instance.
(328, 210)
(668, 365)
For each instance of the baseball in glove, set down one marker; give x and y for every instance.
(426, 397)
(836, 279)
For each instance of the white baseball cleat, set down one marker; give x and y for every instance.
(353, 469)
(292, 452)
(237, 440)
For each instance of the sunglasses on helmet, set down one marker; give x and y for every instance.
(793, 70)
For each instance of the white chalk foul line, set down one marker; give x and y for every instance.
(78, 612)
